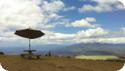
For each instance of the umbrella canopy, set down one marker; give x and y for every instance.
(29, 33)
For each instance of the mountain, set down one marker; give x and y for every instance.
(94, 49)
(41, 49)
(72, 50)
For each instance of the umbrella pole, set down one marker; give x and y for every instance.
(29, 44)
(30, 52)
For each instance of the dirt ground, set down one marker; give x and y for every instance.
(16, 63)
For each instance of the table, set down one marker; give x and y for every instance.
(30, 51)
(30, 54)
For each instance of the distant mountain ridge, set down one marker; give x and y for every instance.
(96, 49)
(75, 49)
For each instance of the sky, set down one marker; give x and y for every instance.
(63, 21)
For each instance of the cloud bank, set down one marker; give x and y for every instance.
(44, 15)
(102, 6)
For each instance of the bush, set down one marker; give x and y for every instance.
(1, 53)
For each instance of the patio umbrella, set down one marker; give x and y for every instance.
(30, 34)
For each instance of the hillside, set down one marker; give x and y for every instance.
(94, 49)
(15, 63)
(75, 49)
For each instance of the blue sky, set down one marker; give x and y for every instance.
(112, 20)
(63, 21)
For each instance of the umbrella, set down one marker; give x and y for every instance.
(30, 34)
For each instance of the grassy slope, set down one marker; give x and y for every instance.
(15, 63)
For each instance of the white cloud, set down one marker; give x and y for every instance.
(56, 38)
(115, 40)
(84, 23)
(61, 38)
(106, 1)
(92, 33)
(84, 36)
(111, 40)
(53, 6)
(123, 29)
(90, 19)
(99, 8)
(29, 13)
(16, 13)
(102, 6)
(69, 8)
